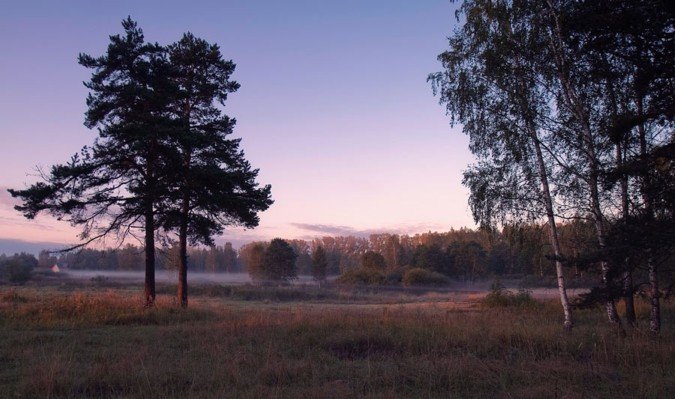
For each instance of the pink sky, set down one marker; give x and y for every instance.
(334, 108)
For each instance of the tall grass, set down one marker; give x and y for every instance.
(105, 345)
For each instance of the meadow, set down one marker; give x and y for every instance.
(260, 342)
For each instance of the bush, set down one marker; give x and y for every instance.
(17, 272)
(394, 277)
(419, 276)
(501, 297)
(361, 276)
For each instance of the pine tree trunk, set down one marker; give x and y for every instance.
(149, 199)
(183, 233)
(182, 263)
(553, 234)
(149, 257)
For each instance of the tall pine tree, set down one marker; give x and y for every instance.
(115, 185)
(215, 184)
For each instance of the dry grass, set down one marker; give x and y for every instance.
(102, 344)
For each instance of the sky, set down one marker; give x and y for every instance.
(334, 107)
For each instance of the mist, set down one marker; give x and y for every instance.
(172, 276)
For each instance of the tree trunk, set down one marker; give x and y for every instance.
(655, 295)
(149, 257)
(655, 311)
(182, 263)
(149, 204)
(628, 299)
(593, 177)
(183, 233)
(553, 234)
(610, 306)
(527, 113)
(572, 102)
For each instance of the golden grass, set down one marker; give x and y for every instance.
(103, 344)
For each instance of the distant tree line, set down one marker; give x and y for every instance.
(462, 254)
(465, 254)
(216, 259)
(422, 259)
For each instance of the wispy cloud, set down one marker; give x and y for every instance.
(338, 230)
(10, 246)
(326, 229)
(18, 221)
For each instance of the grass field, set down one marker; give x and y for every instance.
(267, 343)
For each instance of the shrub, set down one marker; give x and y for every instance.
(394, 277)
(361, 276)
(419, 276)
(501, 297)
(17, 272)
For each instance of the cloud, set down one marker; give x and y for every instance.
(337, 230)
(10, 246)
(327, 229)
(21, 222)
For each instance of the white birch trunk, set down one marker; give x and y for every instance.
(571, 101)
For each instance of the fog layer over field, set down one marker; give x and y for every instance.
(172, 276)
(477, 287)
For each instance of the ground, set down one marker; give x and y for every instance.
(89, 340)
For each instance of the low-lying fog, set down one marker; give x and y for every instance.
(172, 276)
(162, 276)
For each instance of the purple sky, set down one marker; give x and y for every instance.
(334, 107)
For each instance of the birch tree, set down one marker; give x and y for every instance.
(610, 66)
(490, 86)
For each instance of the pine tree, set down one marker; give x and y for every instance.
(114, 187)
(216, 185)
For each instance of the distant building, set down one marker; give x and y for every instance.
(55, 268)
